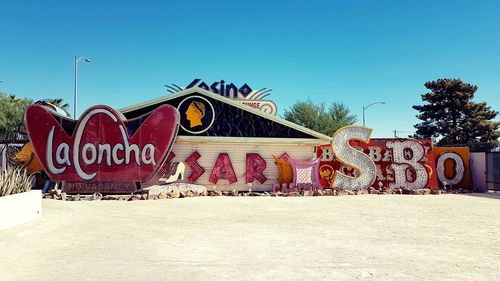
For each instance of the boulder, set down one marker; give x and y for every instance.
(436, 191)
(135, 197)
(181, 187)
(174, 194)
(318, 192)
(96, 196)
(307, 193)
(363, 191)
(342, 192)
(215, 193)
(329, 192)
(389, 191)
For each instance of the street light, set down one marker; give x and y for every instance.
(365, 107)
(77, 59)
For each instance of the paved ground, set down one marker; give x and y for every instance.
(447, 237)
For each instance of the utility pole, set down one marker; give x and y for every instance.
(395, 134)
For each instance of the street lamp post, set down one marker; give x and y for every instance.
(365, 107)
(77, 59)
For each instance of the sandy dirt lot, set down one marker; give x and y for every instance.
(391, 237)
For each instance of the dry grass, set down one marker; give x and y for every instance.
(14, 181)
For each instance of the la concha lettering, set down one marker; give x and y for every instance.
(102, 146)
(142, 155)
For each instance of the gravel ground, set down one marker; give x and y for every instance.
(390, 237)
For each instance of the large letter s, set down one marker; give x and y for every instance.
(348, 155)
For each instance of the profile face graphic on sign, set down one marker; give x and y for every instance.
(194, 114)
(197, 114)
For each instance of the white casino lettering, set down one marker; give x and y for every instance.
(146, 155)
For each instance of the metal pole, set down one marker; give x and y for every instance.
(76, 87)
(364, 115)
(365, 107)
(77, 59)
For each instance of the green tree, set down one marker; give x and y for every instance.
(11, 113)
(340, 116)
(316, 117)
(450, 115)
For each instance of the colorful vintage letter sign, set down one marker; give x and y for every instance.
(399, 163)
(348, 155)
(102, 146)
(452, 166)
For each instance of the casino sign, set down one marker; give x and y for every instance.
(244, 94)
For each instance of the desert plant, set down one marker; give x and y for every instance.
(14, 180)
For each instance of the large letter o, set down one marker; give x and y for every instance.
(459, 168)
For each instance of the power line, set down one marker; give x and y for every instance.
(402, 132)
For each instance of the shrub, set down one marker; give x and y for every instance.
(14, 181)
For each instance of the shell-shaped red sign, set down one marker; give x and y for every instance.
(102, 145)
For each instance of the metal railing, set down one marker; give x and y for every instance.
(13, 138)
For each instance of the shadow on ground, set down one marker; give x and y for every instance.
(489, 194)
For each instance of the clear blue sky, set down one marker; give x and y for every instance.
(354, 52)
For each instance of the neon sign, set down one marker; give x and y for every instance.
(230, 90)
(101, 146)
(243, 94)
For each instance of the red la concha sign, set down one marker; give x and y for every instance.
(102, 145)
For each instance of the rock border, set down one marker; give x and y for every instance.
(175, 193)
